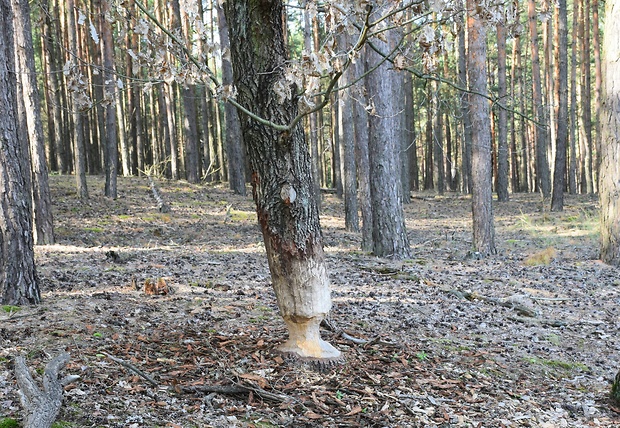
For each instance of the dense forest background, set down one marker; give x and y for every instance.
(168, 122)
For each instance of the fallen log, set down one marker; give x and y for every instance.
(42, 406)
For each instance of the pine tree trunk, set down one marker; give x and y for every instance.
(596, 45)
(347, 143)
(111, 144)
(610, 127)
(502, 117)
(360, 115)
(389, 233)
(464, 107)
(572, 168)
(542, 164)
(561, 102)
(479, 112)
(516, 177)
(586, 105)
(79, 149)
(281, 176)
(439, 172)
(18, 283)
(41, 198)
(234, 140)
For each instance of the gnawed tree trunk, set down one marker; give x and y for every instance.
(479, 112)
(281, 176)
(610, 147)
(18, 281)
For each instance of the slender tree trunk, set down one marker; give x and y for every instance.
(464, 108)
(42, 201)
(479, 111)
(234, 139)
(542, 164)
(360, 116)
(313, 125)
(281, 176)
(514, 87)
(111, 143)
(18, 280)
(347, 143)
(429, 143)
(439, 172)
(78, 138)
(502, 117)
(561, 102)
(610, 127)
(572, 169)
(586, 105)
(598, 78)
(389, 233)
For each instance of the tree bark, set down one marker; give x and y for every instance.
(502, 116)
(281, 176)
(111, 143)
(585, 102)
(596, 46)
(234, 140)
(41, 198)
(389, 233)
(610, 127)
(362, 158)
(346, 137)
(464, 108)
(18, 280)
(79, 149)
(542, 163)
(572, 168)
(479, 111)
(561, 102)
(516, 176)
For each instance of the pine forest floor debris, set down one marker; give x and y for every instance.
(527, 338)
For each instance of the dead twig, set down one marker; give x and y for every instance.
(132, 368)
(237, 388)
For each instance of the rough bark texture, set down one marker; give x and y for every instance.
(111, 145)
(572, 167)
(192, 153)
(347, 143)
(18, 283)
(361, 156)
(479, 113)
(502, 116)
(42, 201)
(281, 176)
(561, 103)
(598, 79)
(610, 147)
(542, 164)
(515, 73)
(42, 406)
(464, 109)
(234, 140)
(79, 149)
(388, 229)
(439, 173)
(585, 127)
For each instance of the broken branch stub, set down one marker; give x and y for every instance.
(42, 406)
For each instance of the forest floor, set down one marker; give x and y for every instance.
(526, 338)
